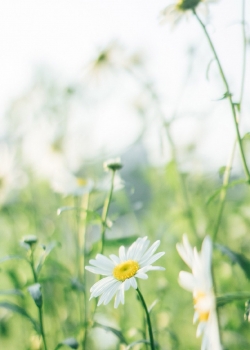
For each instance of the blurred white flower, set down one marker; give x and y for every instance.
(10, 177)
(112, 164)
(122, 270)
(200, 283)
(69, 184)
(174, 12)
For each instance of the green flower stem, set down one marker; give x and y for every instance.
(244, 51)
(84, 342)
(228, 168)
(40, 310)
(150, 331)
(82, 203)
(223, 192)
(228, 95)
(105, 211)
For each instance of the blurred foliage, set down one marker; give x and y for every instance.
(161, 202)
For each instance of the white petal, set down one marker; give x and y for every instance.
(122, 253)
(141, 247)
(151, 268)
(133, 282)
(99, 287)
(97, 270)
(185, 250)
(187, 281)
(152, 259)
(102, 261)
(141, 275)
(126, 284)
(108, 294)
(119, 296)
(149, 252)
(115, 259)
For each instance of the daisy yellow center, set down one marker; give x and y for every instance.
(125, 270)
(184, 5)
(203, 313)
(81, 182)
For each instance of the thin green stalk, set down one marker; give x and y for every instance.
(104, 222)
(150, 331)
(226, 175)
(84, 343)
(105, 211)
(40, 311)
(223, 192)
(228, 95)
(244, 37)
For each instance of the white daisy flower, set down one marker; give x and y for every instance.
(122, 270)
(174, 12)
(200, 283)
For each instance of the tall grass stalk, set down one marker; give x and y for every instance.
(228, 94)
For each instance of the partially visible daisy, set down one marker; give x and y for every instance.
(122, 270)
(200, 283)
(174, 12)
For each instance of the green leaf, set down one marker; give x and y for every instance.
(246, 137)
(117, 242)
(11, 292)
(217, 192)
(208, 67)
(43, 257)
(230, 297)
(142, 341)
(236, 258)
(19, 310)
(150, 308)
(226, 95)
(11, 257)
(222, 170)
(116, 332)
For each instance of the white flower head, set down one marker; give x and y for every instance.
(122, 270)
(200, 283)
(174, 12)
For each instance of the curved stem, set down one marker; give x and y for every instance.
(150, 331)
(223, 192)
(105, 211)
(228, 95)
(40, 310)
(226, 175)
(243, 10)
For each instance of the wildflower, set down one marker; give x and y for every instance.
(112, 164)
(122, 270)
(174, 12)
(70, 184)
(200, 283)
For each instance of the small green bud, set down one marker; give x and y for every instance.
(30, 239)
(36, 293)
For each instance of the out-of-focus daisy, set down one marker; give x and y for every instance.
(174, 12)
(10, 176)
(200, 283)
(69, 184)
(112, 164)
(122, 270)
